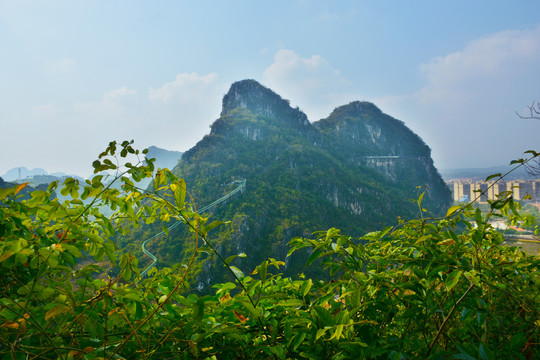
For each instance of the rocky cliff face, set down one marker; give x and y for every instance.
(356, 170)
(368, 137)
(250, 95)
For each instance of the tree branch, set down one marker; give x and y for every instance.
(534, 111)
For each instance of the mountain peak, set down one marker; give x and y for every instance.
(251, 95)
(358, 108)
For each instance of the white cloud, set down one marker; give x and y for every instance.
(185, 88)
(312, 82)
(118, 94)
(174, 116)
(466, 110)
(495, 59)
(184, 108)
(115, 106)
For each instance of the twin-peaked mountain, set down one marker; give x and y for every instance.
(356, 170)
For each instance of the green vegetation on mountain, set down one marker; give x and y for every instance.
(356, 170)
(422, 289)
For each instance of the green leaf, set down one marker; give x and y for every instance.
(224, 287)
(232, 257)
(453, 279)
(513, 207)
(212, 225)
(198, 310)
(452, 210)
(255, 312)
(306, 286)
(420, 198)
(263, 268)
(478, 216)
(323, 315)
(290, 303)
(179, 191)
(463, 356)
(485, 353)
(316, 254)
(297, 340)
(110, 251)
(493, 176)
(337, 332)
(237, 272)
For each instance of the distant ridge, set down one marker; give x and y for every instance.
(482, 173)
(22, 172)
(164, 159)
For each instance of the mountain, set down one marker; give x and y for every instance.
(21, 173)
(356, 170)
(23, 194)
(164, 158)
(44, 179)
(478, 174)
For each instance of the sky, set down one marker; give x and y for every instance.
(75, 75)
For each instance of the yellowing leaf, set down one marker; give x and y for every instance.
(5, 256)
(452, 210)
(56, 310)
(20, 187)
(11, 325)
(22, 326)
(446, 242)
(240, 317)
(58, 247)
(320, 333)
(337, 334)
(224, 298)
(407, 272)
(112, 311)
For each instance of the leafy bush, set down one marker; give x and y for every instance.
(445, 288)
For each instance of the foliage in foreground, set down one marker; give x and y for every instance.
(423, 289)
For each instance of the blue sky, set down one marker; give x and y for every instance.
(75, 75)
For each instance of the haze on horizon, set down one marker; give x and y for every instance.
(76, 75)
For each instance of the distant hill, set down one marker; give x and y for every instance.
(356, 170)
(482, 173)
(164, 158)
(22, 172)
(25, 192)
